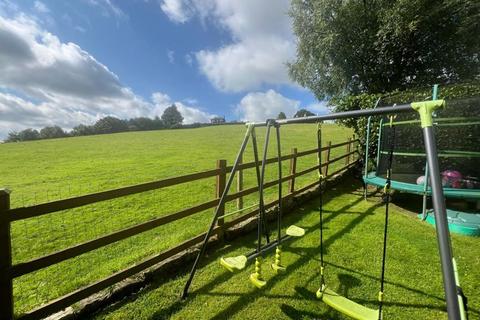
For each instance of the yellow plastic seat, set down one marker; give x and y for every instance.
(346, 306)
(295, 231)
(234, 263)
(257, 280)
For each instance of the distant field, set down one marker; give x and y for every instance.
(45, 170)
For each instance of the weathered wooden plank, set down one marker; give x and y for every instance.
(77, 295)
(293, 170)
(68, 253)
(44, 208)
(6, 283)
(220, 184)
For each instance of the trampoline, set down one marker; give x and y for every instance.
(457, 128)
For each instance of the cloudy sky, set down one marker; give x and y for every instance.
(71, 62)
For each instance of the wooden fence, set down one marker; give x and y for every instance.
(8, 272)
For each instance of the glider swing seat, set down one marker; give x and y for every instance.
(454, 298)
(237, 263)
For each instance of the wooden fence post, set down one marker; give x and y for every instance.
(240, 184)
(220, 186)
(349, 148)
(6, 283)
(327, 158)
(293, 170)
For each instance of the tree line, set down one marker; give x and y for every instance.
(170, 119)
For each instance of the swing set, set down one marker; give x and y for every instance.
(455, 300)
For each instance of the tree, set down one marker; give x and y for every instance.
(217, 120)
(110, 125)
(28, 134)
(281, 115)
(52, 132)
(141, 123)
(13, 137)
(303, 113)
(351, 47)
(171, 117)
(82, 130)
(158, 123)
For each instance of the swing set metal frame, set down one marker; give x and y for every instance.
(425, 110)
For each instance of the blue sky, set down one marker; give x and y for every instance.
(71, 62)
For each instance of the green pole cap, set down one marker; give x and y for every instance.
(425, 109)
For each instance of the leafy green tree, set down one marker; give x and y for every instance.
(82, 130)
(303, 113)
(12, 137)
(281, 115)
(171, 117)
(28, 134)
(110, 125)
(52, 132)
(158, 123)
(141, 123)
(353, 46)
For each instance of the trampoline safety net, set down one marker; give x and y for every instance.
(457, 130)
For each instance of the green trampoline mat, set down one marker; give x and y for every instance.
(373, 179)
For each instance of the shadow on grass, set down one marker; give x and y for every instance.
(243, 301)
(305, 254)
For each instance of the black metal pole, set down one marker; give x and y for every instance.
(320, 202)
(261, 203)
(261, 211)
(342, 115)
(441, 223)
(280, 206)
(385, 230)
(217, 211)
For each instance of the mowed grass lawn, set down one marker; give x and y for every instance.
(353, 242)
(42, 171)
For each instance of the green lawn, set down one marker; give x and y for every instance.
(353, 240)
(45, 170)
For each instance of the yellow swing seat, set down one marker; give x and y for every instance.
(346, 306)
(233, 263)
(294, 231)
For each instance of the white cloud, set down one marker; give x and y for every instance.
(246, 65)
(262, 41)
(44, 81)
(191, 100)
(259, 106)
(177, 11)
(171, 56)
(319, 107)
(108, 8)
(41, 7)
(190, 114)
(37, 64)
(80, 29)
(189, 59)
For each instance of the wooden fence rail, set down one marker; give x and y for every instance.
(7, 215)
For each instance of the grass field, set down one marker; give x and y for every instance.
(45, 170)
(353, 242)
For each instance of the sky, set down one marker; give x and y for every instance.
(71, 62)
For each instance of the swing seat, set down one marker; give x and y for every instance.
(278, 268)
(295, 231)
(346, 306)
(257, 281)
(234, 263)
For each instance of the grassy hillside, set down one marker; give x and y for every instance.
(42, 171)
